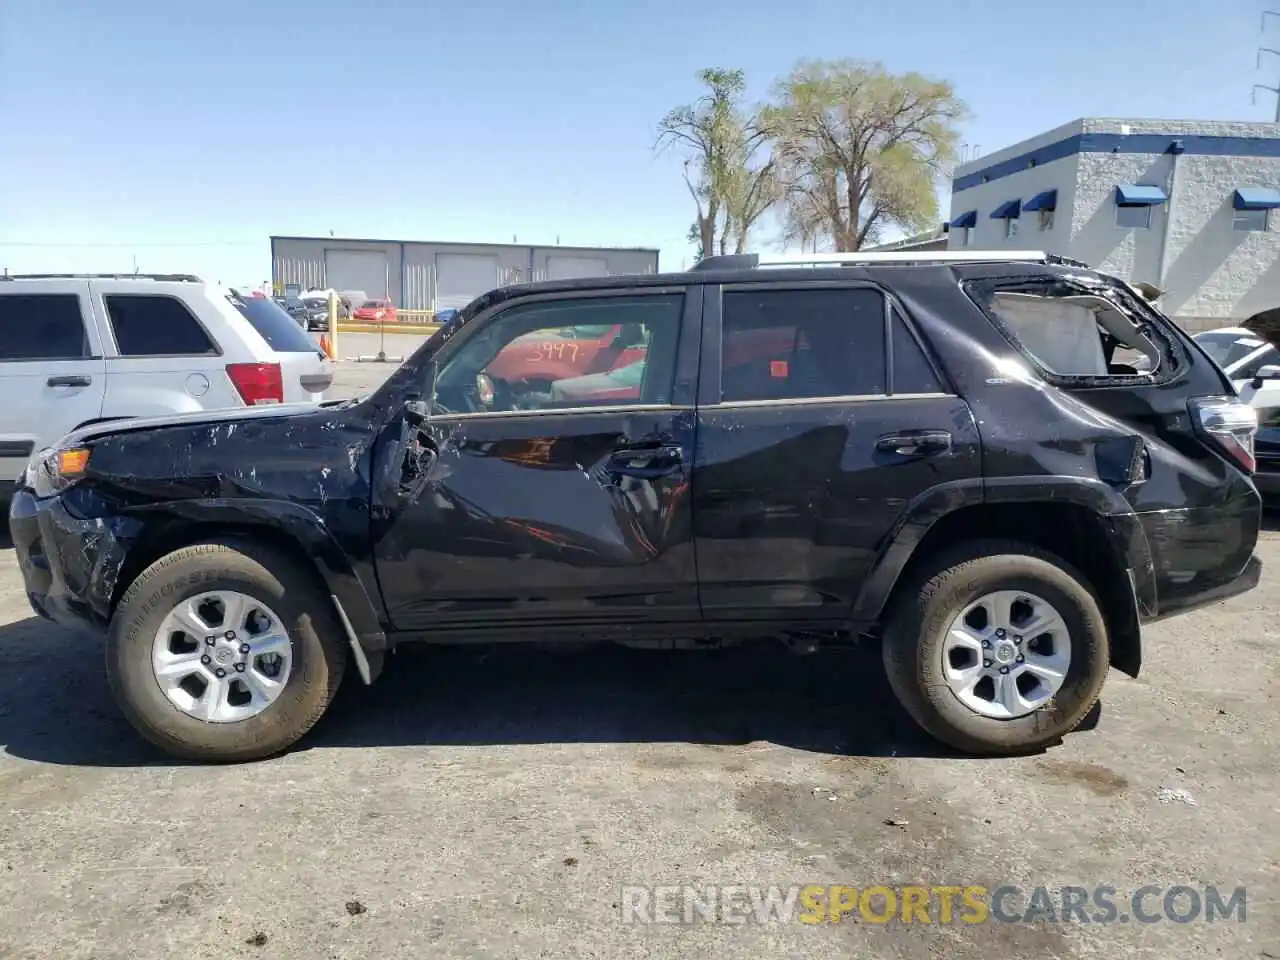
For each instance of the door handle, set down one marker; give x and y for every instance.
(646, 462)
(915, 443)
(71, 380)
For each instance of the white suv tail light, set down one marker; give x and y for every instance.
(257, 383)
(1228, 424)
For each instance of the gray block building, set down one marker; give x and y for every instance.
(1186, 205)
(423, 275)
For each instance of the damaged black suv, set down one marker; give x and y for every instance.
(998, 465)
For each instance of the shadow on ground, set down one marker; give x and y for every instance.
(55, 706)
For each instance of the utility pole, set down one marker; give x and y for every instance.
(1261, 50)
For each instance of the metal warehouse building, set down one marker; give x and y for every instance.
(418, 275)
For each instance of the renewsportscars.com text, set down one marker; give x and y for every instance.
(942, 904)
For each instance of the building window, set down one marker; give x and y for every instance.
(1010, 227)
(965, 236)
(1133, 216)
(1046, 220)
(1248, 220)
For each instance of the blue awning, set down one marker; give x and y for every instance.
(969, 219)
(1048, 200)
(1257, 198)
(1008, 210)
(1139, 195)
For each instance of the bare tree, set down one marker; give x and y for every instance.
(857, 149)
(730, 185)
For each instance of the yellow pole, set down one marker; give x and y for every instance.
(333, 323)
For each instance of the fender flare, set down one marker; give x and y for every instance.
(356, 609)
(1126, 538)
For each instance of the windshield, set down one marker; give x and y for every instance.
(280, 330)
(1226, 349)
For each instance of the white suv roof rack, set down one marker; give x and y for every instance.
(168, 277)
(750, 261)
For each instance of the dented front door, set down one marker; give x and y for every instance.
(575, 514)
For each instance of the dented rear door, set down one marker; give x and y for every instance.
(821, 417)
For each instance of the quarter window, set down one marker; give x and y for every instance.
(42, 326)
(1072, 332)
(150, 325)
(796, 344)
(557, 354)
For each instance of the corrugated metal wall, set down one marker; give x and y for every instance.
(301, 260)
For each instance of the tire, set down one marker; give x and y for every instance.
(920, 620)
(316, 645)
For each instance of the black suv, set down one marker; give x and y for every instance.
(956, 455)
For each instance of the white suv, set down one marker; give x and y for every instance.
(79, 349)
(1250, 360)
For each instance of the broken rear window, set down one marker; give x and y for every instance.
(1075, 331)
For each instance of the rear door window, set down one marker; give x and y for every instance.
(151, 325)
(42, 326)
(802, 344)
(282, 333)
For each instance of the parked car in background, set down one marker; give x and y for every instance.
(1266, 476)
(946, 458)
(1249, 359)
(295, 307)
(77, 350)
(376, 311)
(445, 316)
(316, 311)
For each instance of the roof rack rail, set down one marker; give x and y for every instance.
(750, 261)
(176, 277)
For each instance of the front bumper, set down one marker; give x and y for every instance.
(70, 563)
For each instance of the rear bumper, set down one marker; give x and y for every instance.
(1184, 603)
(1201, 555)
(70, 564)
(1267, 482)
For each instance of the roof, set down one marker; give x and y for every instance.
(464, 243)
(941, 266)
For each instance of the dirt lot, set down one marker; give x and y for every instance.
(495, 803)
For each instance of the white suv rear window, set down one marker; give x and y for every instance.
(280, 330)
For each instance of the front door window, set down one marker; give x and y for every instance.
(564, 354)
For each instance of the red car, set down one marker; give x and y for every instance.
(538, 359)
(376, 311)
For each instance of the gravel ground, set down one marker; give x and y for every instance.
(495, 803)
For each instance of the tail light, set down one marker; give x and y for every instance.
(257, 383)
(1228, 425)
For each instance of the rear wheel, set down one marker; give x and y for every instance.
(997, 647)
(218, 655)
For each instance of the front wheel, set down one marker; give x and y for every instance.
(217, 655)
(997, 647)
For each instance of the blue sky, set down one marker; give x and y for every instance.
(183, 134)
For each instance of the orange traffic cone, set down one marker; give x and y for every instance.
(326, 346)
